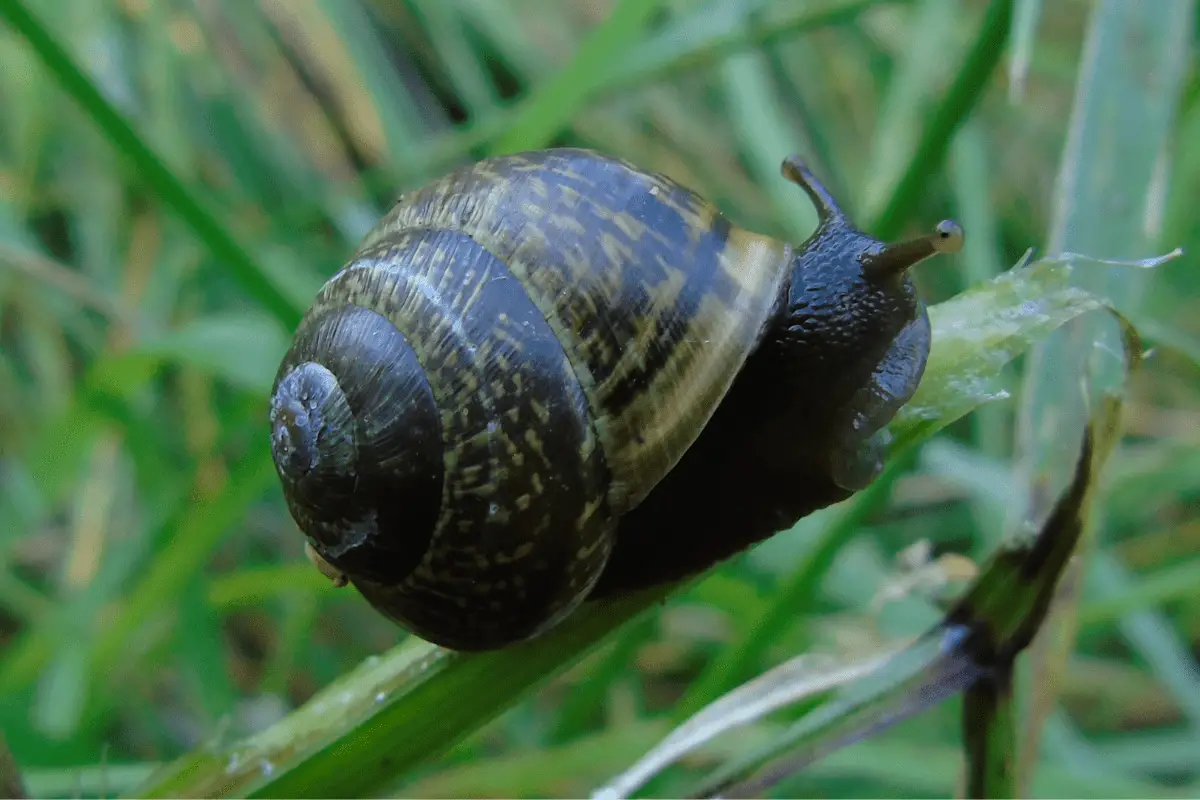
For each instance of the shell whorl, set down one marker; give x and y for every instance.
(356, 440)
(522, 528)
(656, 297)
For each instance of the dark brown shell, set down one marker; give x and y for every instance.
(577, 322)
(655, 296)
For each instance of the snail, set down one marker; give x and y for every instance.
(552, 377)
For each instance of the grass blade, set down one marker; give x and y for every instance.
(156, 610)
(552, 105)
(1015, 605)
(799, 679)
(1127, 89)
(990, 736)
(357, 735)
(706, 38)
(1028, 13)
(369, 738)
(925, 673)
(970, 80)
(232, 254)
(973, 648)
(11, 783)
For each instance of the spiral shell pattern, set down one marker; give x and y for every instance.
(566, 325)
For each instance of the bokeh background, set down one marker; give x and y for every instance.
(153, 592)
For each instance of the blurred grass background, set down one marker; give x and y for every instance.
(153, 593)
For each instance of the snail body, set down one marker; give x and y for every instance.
(552, 376)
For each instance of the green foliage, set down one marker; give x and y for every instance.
(155, 607)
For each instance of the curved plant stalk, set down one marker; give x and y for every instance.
(990, 736)
(407, 707)
(859, 698)
(1027, 595)
(391, 714)
(802, 678)
(973, 649)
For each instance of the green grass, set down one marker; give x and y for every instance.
(176, 179)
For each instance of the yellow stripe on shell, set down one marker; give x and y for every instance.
(547, 215)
